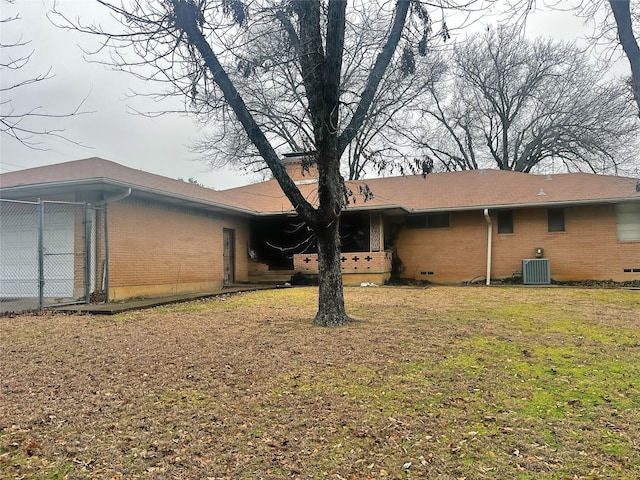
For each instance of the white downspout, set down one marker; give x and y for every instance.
(489, 240)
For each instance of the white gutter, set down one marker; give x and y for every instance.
(489, 240)
(115, 198)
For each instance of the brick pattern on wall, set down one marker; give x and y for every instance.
(588, 249)
(155, 245)
(350, 262)
(445, 255)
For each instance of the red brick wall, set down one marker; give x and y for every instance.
(161, 250)
(445, 255)
(588, 249)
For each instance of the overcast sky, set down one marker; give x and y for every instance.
(159, 145)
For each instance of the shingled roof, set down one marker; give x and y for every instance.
(468, 190)
(100, 171)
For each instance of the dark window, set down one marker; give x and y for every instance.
(555, 217)
(438, 220)
(416, 221)
(434, 220)
(505, 221)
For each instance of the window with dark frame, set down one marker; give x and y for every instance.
(415, 221)
(555, 220)
(438, 220)
(505, 221)
(433, 220)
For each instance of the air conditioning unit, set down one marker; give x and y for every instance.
(536, 271)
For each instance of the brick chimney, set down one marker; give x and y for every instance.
(300, 166)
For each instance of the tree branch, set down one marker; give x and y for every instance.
(622, 14)
(375, 75)
(187, 20)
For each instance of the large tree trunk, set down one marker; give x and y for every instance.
(321, 67)
(331, 311)
(321, 78)
(622, 14)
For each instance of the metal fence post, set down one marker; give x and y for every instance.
(40, 254)
(87, 252)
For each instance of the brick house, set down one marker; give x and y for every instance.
(462, 226)
(157, 236)
(153, 236)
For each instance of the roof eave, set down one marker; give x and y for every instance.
(368, 208)
(223, 207)
(553, 203)
(134, 187)
(398, 207)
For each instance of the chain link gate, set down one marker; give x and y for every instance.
(47, 252)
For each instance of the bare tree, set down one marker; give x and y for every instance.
(27, 126)
(622, 14)
(617, 24)
(519, 104)
(279, 104)
(191, 45)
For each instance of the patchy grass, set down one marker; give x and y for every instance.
(469, 383)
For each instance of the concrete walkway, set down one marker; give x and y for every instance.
(118, 307)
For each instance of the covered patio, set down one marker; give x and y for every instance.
(281, 247)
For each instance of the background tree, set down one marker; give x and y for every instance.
(519, 104)
(621, 10)
(617, 25)
(24, 125)
(279, 104)
(193, 44)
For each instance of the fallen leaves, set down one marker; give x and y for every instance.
(252, 390)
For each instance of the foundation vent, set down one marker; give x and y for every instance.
(536, 271)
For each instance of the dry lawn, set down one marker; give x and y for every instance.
(438, 383)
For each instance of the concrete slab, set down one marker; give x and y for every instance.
(18, 305)
(113, 308)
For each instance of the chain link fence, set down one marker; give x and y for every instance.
(47, 252)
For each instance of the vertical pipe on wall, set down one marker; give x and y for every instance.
(489, 241)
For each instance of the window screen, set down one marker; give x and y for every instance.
(555, 217)
(628, 215)
(416, 221)
(505, 221)
(433, 220)
(438, 220)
